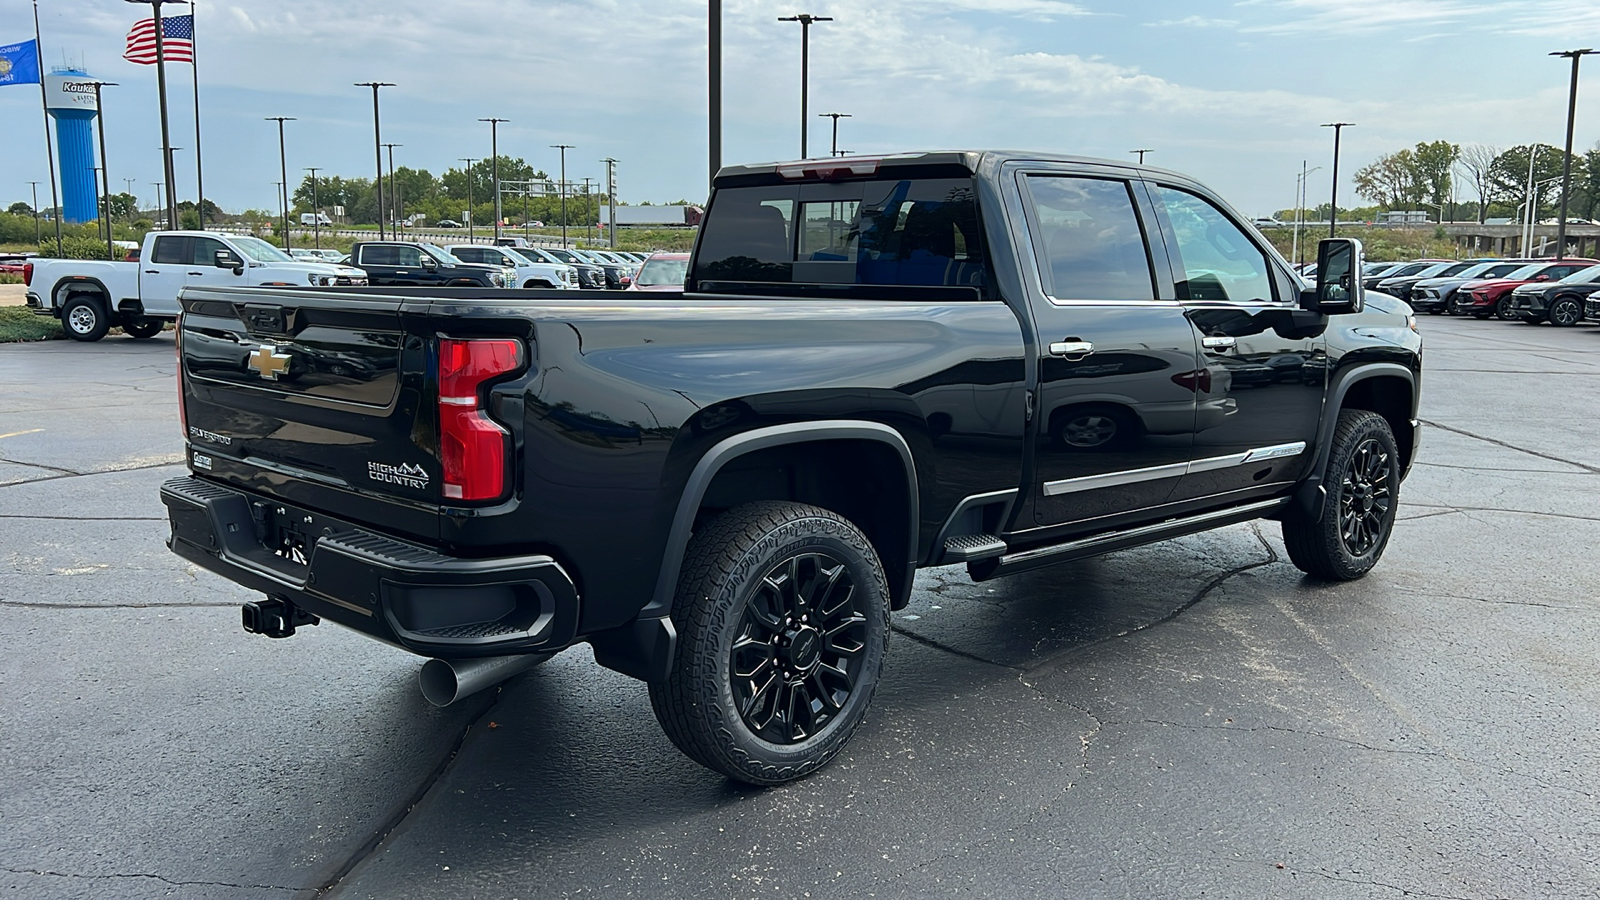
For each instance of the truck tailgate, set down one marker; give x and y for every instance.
(321, 400)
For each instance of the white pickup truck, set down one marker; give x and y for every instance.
(90, 296)
(531, 273)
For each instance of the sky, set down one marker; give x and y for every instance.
(1231, 92)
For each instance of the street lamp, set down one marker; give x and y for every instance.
(1141, 154)
(469, 161)
(714, 84)
(1566, 161)
(316, 207)
(161, 89)
(1333, 206)
(834, 149)
(283, 167)
(377, 145)
(494, 152)
(1300, 211)
(611, 200)
(563, 148)
(805, 20)
(394, 192)
(105, 177)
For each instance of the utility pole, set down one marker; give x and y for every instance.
(494, 151)
(161, 204)
(611, 200)
(469, 161)
(563, 148)
(805, 20)
(1141, 154)
(586, 181)
(1300, 211)
(1566, 161)
(395, 208)
(316, 207)
(1333, 212)
(283, 166)
(834, 149)
(377, 145)
(161, 88)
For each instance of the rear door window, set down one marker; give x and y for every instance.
(377, 255)
(171, 251)
(468, 254)
(916, 231)
(1089, 240)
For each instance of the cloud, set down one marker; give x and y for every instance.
(1194, 22)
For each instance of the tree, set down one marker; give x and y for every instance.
(1390, 180)
(1508, 174)
(1432, 163)
(1476, 160)
(20, 209)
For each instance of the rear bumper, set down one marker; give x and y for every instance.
(403, 594)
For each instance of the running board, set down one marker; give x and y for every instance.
(1012, 563)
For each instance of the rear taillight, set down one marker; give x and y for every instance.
(27, 274)
(472, 447)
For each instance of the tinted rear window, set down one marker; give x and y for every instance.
(907, 232)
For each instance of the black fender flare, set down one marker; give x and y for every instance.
(110, 302)
(1311, 494)
(645, 647)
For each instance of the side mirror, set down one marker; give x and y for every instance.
(226, 260)
(1541, 278)
(430, 263)
(1339, 288)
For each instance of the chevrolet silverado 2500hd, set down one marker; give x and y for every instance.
(995, 360)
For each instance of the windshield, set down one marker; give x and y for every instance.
(438, 253)
(517, 259)
(565, 256)
(260, 250)
(660, 270)
(1583, 276)
(1526, 273)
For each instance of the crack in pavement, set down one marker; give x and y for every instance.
(1593, 470)
(26, 604)
(380, 836)
(1499, 469)
(88, 518)
(18, 462)
(1495, 509)
(1409, 892)
(1284, 730)
(930, 642)
(162, 879)
(160, 465)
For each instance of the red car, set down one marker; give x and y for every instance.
(1482, 299)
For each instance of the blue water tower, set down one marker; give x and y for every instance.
(70, 99)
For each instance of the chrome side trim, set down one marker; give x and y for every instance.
(1113, 479)
(1209, 464)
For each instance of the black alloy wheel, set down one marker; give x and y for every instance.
(1362, 479)
(782, 614)
(1565, 311)
(1505, 309)
(1366, 497)
(800, 647)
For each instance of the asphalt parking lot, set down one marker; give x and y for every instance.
(1184, 720)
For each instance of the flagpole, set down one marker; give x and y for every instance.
(50, 150)
(166, 139)
(194, 66)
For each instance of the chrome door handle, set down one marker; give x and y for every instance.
(1218, 343)
(1071, 349)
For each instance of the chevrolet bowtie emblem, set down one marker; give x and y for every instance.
(269, 363)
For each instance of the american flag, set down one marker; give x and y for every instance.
(177, 39)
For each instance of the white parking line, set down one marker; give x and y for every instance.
(18, 433)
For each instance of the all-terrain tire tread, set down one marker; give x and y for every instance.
(1314, 545)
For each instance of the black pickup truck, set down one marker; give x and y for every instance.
(415, 264)
(989, 359)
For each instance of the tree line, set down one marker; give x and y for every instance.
(1432, 174)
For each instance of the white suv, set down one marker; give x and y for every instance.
(530, 274)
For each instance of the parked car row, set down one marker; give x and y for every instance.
(1529, 290)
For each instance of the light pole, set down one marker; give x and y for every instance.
(105, 177)
(805, 20)
(394, 192)
(1566, 161)
(834, 149)
(611, 201)
(377, 145)
(1300, 211)
(586, 234)
(714, 83)
(161, 203)
(494, 152)
(133, 214)
(316, 207)
(161, 89)
(38, 231)
(1333, 211)
(1141, 154)
(283, 168)
(563, 148)
(469, 162)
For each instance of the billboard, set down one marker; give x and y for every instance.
(74, 92)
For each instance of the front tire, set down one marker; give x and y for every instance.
(1363, 484)
(1565, 311)
(1504, 310)
(782, 614)
(84, 319)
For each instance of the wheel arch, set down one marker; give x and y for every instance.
(1386, 388)
(63, 289)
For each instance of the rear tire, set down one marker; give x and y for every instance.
(1363, 484)
(782, 614)
(84, 319)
